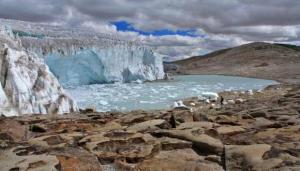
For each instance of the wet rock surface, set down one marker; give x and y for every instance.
(260, 133)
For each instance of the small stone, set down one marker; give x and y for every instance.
(88, 110)
(214, 158)
(256, 114)
(37, 128)
(203, 124)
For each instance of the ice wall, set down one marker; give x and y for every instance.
(120, 63)
(79, 57)
(27, 86)
(81, 61)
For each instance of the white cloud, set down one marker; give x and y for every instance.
(220, 24)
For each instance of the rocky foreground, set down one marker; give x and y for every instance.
(252, 131)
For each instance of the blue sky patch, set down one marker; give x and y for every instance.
(125, 26)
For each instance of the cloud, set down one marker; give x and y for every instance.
(32, 10)
(219, 24)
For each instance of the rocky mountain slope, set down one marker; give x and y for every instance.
(259, 131)
(259, 60)
(27, 85)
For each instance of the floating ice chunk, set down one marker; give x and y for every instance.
(102, 102)
(260, 91)
(138, 81)
(201, 98)
(179, 105)
(230, 101)
(208, 95)
(175, 105)
(249, 92)
(239, 101)
(207, 101)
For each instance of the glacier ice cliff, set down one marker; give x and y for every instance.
(93, 65)
(80, 57)
(27, 86)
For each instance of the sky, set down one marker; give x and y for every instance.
(175, 28)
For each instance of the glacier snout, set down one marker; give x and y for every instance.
(119, 63)
(79, 56)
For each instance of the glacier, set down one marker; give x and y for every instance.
(81, 57)
(27, 85)
(120, 63)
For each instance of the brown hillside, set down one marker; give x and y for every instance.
(261, 60)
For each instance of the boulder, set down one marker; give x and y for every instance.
(17, 159)
(174, 143)
(261, 122)
(259, 113)
(279, 135)
(130, 119)
(149, 125)
(227, 120)
(229, 130)
(108, 127)
(72, 159)
(120, 144)
(184, 116)
(201, 141)
(38, 128)
(179, 160)
(12, 130)
(55, 141)
(245, 157)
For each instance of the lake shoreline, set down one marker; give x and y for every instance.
(262, 126)
(158, 95)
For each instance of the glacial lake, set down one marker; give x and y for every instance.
(159, 94)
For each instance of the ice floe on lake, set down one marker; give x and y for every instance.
(161, 94)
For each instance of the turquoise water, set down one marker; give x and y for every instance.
(160, 94)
